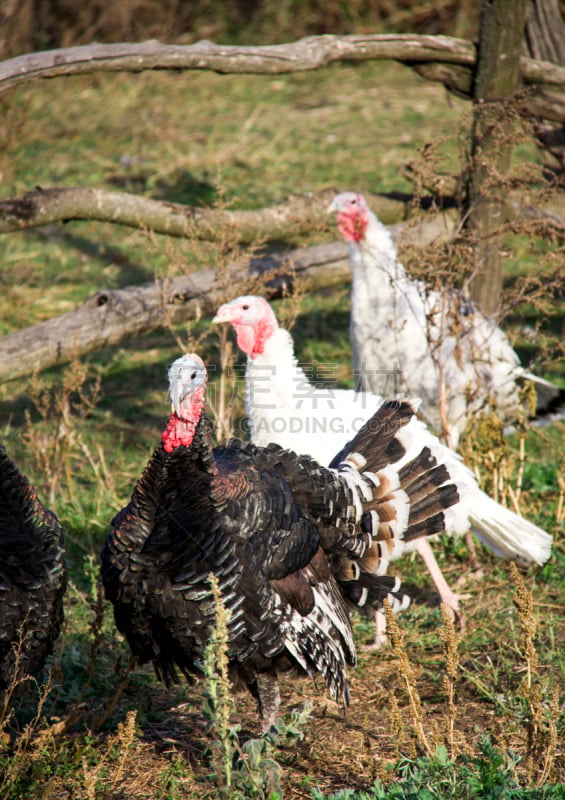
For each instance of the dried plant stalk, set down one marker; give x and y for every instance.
(123, 739)
(451, 641)
(541, 730)
(560, 511)
(407, 673)
(218, 695)
(60, 407)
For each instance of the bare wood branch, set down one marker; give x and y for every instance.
(110, 316)
(546, 104)
(308, 53)
(297, 215)
(455, 77)
(542, 72)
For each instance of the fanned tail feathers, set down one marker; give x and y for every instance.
(504, 532)
(414, 493)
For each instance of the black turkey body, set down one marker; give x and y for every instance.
(32, 576)
(277, 530)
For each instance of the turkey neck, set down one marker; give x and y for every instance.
(183, 476)
(373, 254)
(272, 378)
(378, 295)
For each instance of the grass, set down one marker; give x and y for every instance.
(490, 774)
(218, 130)
(253, 140)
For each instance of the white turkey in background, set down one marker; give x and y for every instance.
(446, 351)
(284, 407)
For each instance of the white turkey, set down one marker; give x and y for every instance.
(284, 407)
(445, 350)
(289, 542)
(32, 577)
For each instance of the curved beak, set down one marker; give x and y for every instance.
(223, 314)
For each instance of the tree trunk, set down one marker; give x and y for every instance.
(545, 41)
(497, 78)
(545, 31)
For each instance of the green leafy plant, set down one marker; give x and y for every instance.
(251, 769)
(488, 775)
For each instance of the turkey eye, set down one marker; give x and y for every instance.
(193, 376)
(245, 308)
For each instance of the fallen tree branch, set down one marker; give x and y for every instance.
(308, 53)
(299, 214)
(110, 316)
(548, 104)
(457, 55)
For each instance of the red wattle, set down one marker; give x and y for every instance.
(245, 338)
(177, 432)
(352, 228)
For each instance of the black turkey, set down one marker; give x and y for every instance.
(32, 577)
(290, 543)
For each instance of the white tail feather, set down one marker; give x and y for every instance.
(506, 533)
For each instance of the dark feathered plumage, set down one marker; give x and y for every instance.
(32, 576)
(283, 535)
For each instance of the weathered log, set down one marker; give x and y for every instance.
(311, 52)
(545, 40)
(546, 104)
(457, 55)
(299, 214)
(110, 316)
(113, 315)
(455, 77)
(308, 53)
(545, 30)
